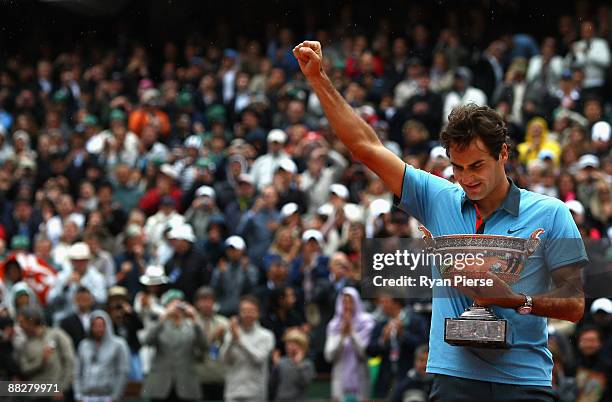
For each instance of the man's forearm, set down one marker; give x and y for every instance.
(355, 133)
(562, 303)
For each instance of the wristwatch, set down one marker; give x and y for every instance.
(525, 308)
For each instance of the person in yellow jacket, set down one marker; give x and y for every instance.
(536, 141)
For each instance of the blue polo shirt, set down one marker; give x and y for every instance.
(444, 209)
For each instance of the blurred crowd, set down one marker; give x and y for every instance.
(185, 218)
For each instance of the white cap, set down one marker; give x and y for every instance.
(287, 165)
(602, 303)
(277, 135)
(587, 160)
(575, 206)
(379, 206)
(246, 178)
(193, 141)
(205, 191)
(437, 152)
(182, 232)
(601, 131)
(312, 234)
(325, 209)
(79, 251)
(168, 170)
(236, 242)
(288, 209)
(340, 190)
(353, 212)
(448, 172)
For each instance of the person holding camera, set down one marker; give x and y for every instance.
(180, 344)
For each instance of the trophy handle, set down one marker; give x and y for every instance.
(533, 241)
(428, 237)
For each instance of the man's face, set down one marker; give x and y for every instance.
(84, 301)
(98, 326)
(587, 30)
(205, 305)
(589, 343)
(476, 170)
(249, 313)
(80, 266)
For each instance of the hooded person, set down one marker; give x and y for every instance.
(348, 334)
(102, 365)
(21, 295)
(536, 141)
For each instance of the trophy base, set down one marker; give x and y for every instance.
(477, 327)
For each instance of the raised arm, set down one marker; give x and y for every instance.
(353, 131)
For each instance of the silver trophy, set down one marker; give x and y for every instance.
(504, 256)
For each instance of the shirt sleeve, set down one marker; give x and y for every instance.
(419, 192)
(563, 245)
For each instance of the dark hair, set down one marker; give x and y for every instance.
(83, 289)
(469, 122)
(589, 328)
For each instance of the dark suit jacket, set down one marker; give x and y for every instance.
(74, 328)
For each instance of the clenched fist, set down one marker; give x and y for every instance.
(310, 57)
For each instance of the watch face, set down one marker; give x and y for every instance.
(524, 310)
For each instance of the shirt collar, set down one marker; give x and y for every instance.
(510, 204)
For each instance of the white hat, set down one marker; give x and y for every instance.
(193, 141)
(437, 152)
(288, 209)
(575, 206)
(602, 303)
(79, 251)
(154, 275)
(587, 160)
(601, 131)
(246, 178)
(277, 135)
(325, 209)
(169, 171)
(379, 206)
(312, 234)
(236, 242)
(448, 172)
(182, 232)
(205, 191)
(287, 165)
(340, 190)
(353, 212)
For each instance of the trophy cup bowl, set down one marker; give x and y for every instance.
(504, 256)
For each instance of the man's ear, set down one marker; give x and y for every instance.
(504, 153)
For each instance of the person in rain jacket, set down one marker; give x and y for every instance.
(536, 141)
(102, 365)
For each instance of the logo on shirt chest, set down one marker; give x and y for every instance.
(512, 231)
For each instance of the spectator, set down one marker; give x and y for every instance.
(592, 54)
(233, 277)
(211, 370)
(101, 259)
(246, 350)
(77, 324)
(9, 368)
(395, 339)
(149, 113)
(187, 270)
(462, 93)
(294, 372)
(102, 362)
(282, 315)
(180, 344)
(201, 210)
(536, 141)
(78, 272)
(348, 334)
(415, 386)
(46, 354)
(264, 167)
(319, 176)
(593, 371)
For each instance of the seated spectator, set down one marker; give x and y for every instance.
(102, 362)
(536, 141)
(415, 386)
